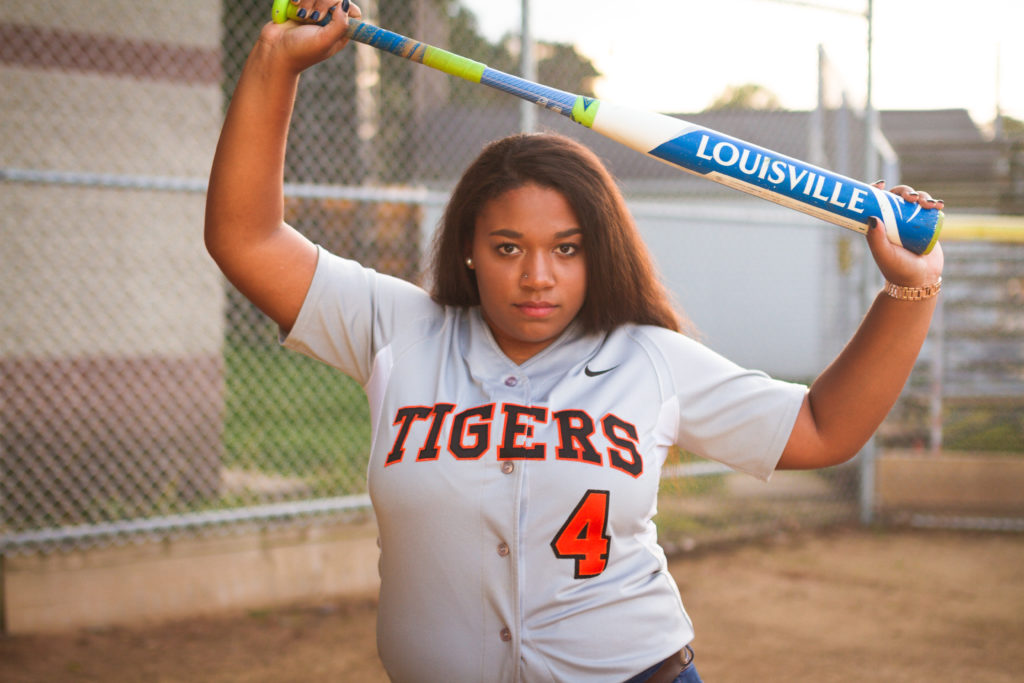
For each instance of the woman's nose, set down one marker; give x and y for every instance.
(537, 272)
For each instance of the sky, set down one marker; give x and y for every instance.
(678, 55)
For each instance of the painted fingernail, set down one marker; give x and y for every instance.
(302, 13)
(314, 16)
(344, 5)
(879, 181)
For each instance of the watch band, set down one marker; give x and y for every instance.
(912, 293)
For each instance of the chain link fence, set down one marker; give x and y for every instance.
(141, 396)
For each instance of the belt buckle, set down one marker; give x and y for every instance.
(673, 666)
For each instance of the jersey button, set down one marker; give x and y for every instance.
(511, 381)
(508, 467)
(503, 549)
(506, 634)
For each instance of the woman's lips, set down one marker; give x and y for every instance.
(536, 309)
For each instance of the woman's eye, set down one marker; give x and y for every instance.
(507, 249)
(567, 249)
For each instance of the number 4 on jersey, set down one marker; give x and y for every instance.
(584, 536)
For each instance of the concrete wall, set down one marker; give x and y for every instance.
(950, 483)
(177, 578)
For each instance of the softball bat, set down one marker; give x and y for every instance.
(693, 148)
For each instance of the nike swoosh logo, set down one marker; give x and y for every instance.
(594, 373)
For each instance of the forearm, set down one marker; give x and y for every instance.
(852, 397)
(245, 203)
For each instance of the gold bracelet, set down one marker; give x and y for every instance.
(912, 293)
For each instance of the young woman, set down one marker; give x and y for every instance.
(522, 410)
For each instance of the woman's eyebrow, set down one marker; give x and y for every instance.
(562, 234)
(505, 232)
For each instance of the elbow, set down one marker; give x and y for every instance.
(819, 456)
(210, 229)
(210, 241)
(824, 439)
(214, 237)
(842, 455)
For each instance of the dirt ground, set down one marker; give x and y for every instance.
(847, 605)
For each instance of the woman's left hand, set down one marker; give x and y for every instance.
(898, 265)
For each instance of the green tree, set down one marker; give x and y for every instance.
(558, 64)
(561, 66)
(746, 96)
(1013, 128)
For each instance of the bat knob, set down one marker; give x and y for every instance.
(283, 10)
(279, 12)
(918, 232)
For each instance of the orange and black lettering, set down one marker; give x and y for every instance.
(480, 431)
(405, 418)
(511, 448)
(574, 430)
(430, 449)
(611, 425)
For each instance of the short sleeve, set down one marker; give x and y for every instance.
(350, 312)
(739, 417)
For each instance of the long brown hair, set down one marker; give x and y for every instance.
(622, 283)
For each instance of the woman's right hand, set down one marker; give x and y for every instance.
(300, 45)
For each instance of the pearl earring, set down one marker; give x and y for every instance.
(469, 262)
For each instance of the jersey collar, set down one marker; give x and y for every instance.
(487, 362)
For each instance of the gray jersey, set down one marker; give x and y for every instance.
(514, 502)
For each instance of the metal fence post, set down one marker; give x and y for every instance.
(938, 372)
(528, 69)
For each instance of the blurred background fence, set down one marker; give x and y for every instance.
(140, 396)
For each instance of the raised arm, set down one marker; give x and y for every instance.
(849, 400)
(268, 261)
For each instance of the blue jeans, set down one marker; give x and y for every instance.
(688, 675)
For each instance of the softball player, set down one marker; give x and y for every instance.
(522, 410)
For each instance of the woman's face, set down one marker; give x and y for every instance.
(528, 258)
